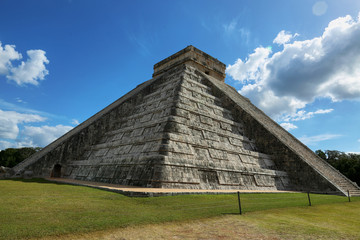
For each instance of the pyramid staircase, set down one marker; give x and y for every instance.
(342, 183)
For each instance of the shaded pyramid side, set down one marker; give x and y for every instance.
(128, 153)
(306, 171)
(120, 144)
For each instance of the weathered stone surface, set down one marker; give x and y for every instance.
(185, 128)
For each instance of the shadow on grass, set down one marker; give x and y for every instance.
(33, 180)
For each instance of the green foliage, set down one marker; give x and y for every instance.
(347, 163)
(12, 156)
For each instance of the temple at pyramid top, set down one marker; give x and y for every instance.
(193, 57)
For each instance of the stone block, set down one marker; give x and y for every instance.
(264, 181)
(230, 178)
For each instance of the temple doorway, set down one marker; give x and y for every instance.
(56, 172)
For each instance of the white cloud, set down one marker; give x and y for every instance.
(9, 121)
(20, 108)
(7, 54)
(42, 136)
(288, 80)
(318, 138)
(15, 144)
(19, 100)
(237, 32)
(230, 27)
(29, 72)
(319, 8)
(16, 133)
(75, 122)
(302, 115)
(252, 68)
(288, 126)
(357, 153)
(6, 144)
(284, 37)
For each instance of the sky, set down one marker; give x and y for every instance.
(62, 61)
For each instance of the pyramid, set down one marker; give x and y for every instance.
(185, 128)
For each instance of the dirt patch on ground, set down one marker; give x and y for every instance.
(226, 227)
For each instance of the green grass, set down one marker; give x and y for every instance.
(36, 208)
(328, 221)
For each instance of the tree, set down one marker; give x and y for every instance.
(12, 156)
(321, 154)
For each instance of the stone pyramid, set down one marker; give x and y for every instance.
(186, 128)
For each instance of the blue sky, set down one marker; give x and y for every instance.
(63, 61)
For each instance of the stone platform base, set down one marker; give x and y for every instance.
(133, 191)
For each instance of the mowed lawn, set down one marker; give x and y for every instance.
(37, 208)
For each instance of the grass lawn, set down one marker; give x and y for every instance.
(328, 221)
(37, 208)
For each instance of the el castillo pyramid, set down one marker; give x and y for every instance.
(186, 128)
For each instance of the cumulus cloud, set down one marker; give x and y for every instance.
(318, 138)
(16, 130)
(284, 37)
(6, 144)
(29, 72)
(7, 54)
(42, 136)
(10, 120)
(284, 82)
(288, 126)
(15, 144)
(252, 68)
(32, 136)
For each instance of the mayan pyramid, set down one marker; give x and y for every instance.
(186, 128)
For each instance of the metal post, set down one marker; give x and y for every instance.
(309, 198)
(349, 195)
(239, 202)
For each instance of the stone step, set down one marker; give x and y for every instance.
(345, 185)
(355, 194)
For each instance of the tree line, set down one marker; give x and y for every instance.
(347, 163)
(12, 156)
